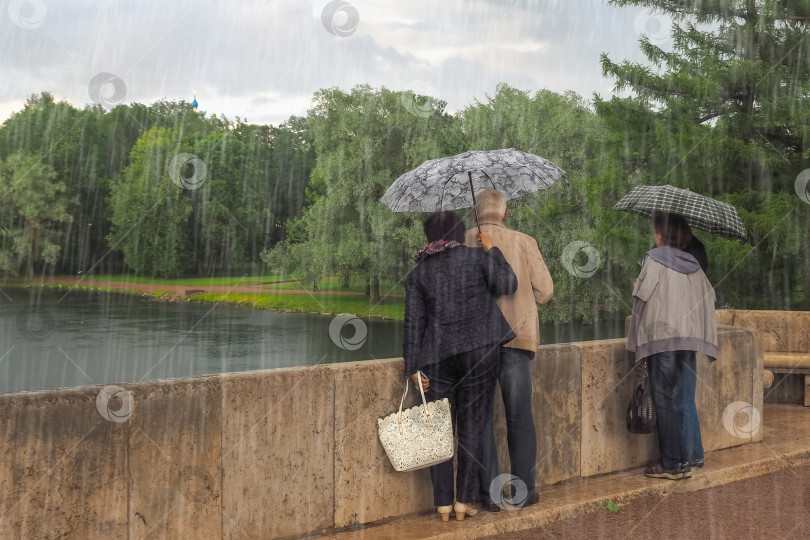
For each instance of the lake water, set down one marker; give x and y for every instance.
(52, 338)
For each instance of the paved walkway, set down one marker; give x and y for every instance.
(769, 506)
(786, 445)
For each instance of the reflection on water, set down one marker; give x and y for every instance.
(52, 338)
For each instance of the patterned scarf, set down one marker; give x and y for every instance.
(432, 248)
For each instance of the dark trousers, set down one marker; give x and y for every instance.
(515, 379)
(673, 377)
(467, 380)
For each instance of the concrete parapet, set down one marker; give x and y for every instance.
(285, 452)
(782, 331)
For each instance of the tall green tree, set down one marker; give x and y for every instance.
(72, 144)
(363, 140)
(33, 206)
(257, 177)
(149, 211)
(289, 171)
(226, 211)
(726, 112)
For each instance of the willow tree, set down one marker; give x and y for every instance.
(363, 140)
(561, 128)
(724, 109)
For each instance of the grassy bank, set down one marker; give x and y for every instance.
(273, 299)
(388, 308)
(333, 284)
(193, 282)
(45, 285)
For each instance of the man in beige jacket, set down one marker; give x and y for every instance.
(515, 379)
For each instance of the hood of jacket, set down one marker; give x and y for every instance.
(673, 258)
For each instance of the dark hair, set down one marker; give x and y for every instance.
(444, 226)
(673, 228)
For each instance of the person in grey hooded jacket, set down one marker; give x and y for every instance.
(673, 319)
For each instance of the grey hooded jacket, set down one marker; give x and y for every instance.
(674, 306)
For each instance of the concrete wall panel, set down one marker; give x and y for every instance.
(725, 386)
(277, 452)
(364, 477)
(557, 395)
(607, 385)
(175, 469)
(62, 467)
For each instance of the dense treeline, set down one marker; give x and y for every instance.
(109, 172)
(724, 112)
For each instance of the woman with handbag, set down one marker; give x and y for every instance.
(453, 331)
(673, 319)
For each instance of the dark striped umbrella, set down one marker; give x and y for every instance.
(701, 212)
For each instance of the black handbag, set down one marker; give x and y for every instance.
(641, 411)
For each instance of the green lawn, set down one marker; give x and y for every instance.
(389, 308)
(192, 282)
(333, 284)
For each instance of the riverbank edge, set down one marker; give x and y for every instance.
(234, 299)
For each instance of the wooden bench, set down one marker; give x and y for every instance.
(799, 363)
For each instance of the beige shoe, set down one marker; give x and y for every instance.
(444, 511)
(463, 510)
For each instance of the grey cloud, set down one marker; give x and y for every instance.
(260, 55)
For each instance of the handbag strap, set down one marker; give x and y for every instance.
(642, 371)
(402, 401)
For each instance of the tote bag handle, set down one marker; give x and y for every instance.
(424, 401)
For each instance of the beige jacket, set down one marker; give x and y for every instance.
(534, 281)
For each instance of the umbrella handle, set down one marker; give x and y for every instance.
(472, 189)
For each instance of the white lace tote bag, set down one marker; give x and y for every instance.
(417, 437)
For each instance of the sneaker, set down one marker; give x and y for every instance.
(658, 471)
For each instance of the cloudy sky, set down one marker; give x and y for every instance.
(262, 60)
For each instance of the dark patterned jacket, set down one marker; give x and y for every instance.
(450, 305)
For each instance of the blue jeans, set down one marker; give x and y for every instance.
(467, 380)
(515, 379)
(673, 377)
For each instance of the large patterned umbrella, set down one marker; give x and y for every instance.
(449, 183)
(700, 212)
